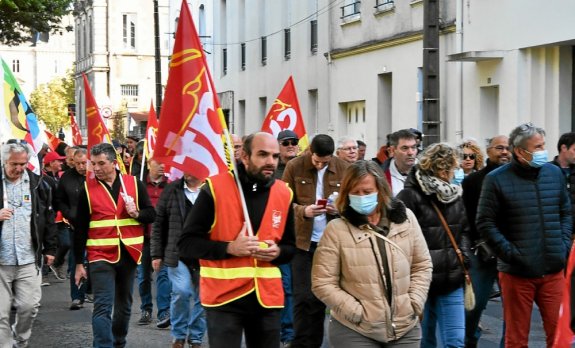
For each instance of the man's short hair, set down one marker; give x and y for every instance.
(361, 143)
(520, 134)
(322, 145)
(80, 152)
(16, 146)
(567, 139)
(105, 149)
(341, 141)
(401, 134)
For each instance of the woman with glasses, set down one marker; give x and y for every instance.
(427, 185)
(471, 157)
(372, 266)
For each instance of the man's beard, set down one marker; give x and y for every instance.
(256, 175)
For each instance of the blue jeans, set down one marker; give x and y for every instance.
(186, 312)
(64, 243)
(112, 285)
(448, 312)
(75, 292)
(483, 276)
(286, 332)
(163, 285)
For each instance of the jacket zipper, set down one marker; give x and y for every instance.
(541, 223)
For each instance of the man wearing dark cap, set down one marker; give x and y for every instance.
(289, 148)
(131, 141)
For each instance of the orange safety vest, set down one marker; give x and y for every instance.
(223, 281)
(110, 223)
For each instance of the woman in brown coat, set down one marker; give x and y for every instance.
(372, 266)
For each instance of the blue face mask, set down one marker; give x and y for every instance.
(364, 205)
(538, 158)
(458, 176)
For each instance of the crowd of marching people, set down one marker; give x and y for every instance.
(404, 249)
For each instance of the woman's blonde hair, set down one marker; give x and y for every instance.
(436, 158)
(479, 158)
(354, 174)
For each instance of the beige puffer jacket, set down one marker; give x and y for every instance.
(348, 276)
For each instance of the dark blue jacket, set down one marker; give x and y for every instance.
(525, 214)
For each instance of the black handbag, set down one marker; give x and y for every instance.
(484, 251)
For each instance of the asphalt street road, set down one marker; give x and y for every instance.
(57, 326)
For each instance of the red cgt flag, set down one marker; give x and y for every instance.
(151, 131)
(97, 130)
(564, 335)
(191, 129)
(76, 135)
(53, 141)
(286, 114)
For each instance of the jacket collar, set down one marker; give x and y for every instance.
(308, 166)
(524, 171)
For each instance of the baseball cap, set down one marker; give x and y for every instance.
(52, 156)
(287, 134)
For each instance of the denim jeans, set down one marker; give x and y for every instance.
(448, 312)
(483, 276)
(63, 244)
(186, 312)
(163, 285)
(286, 332)
(75, 292)
(112, 285)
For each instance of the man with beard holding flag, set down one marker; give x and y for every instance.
(240, 284)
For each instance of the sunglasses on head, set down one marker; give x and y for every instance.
(288, 142)
(470, 156)
(17, 141)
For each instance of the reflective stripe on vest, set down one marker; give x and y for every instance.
(240, 272)
(114, 241)
(110, 223)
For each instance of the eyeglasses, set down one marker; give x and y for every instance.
(290, 142)
(470, 156)
(349, 148)
(500, 148)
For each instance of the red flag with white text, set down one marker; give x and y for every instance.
(151, 131)
(97, 130)
(286, 114)
(76, 135)
(53, 141)
(191, 127)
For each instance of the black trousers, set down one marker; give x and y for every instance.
(308, 311)
(260, 325)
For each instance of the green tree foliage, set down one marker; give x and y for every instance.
(20, 18)
(50, 102)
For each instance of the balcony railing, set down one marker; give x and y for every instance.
(350, 10)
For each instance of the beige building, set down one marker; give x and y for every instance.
(357, 65)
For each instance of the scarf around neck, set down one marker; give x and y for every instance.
(445, 192)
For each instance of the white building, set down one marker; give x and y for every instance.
(38, 63)
(357, 65)
(116, 51)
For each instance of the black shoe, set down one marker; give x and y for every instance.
(76, 304)
(164, 321)
(146, 318)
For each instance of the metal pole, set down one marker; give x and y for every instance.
(157, 58)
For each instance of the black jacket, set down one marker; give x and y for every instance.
(42, 226)
(471, 191)
(570, 181)
(67, 194)
(194, 241)
(447, 270)
(525, 214)
(166, 230)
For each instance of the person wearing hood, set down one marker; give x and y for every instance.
(524, 213)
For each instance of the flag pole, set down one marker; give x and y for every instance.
(143, 160)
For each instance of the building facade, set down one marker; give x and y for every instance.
(357, 65)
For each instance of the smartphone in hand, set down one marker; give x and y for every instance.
(322, 202)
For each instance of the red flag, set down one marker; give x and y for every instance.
(563, 333)
(191, 129)
(286, 114)
(97, 130)
(151, 131)
(76, 135)
(53, 141)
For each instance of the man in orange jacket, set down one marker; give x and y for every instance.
(240, 284)
(109, 227)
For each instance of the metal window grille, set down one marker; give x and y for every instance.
(383, 4)
(129, 90)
